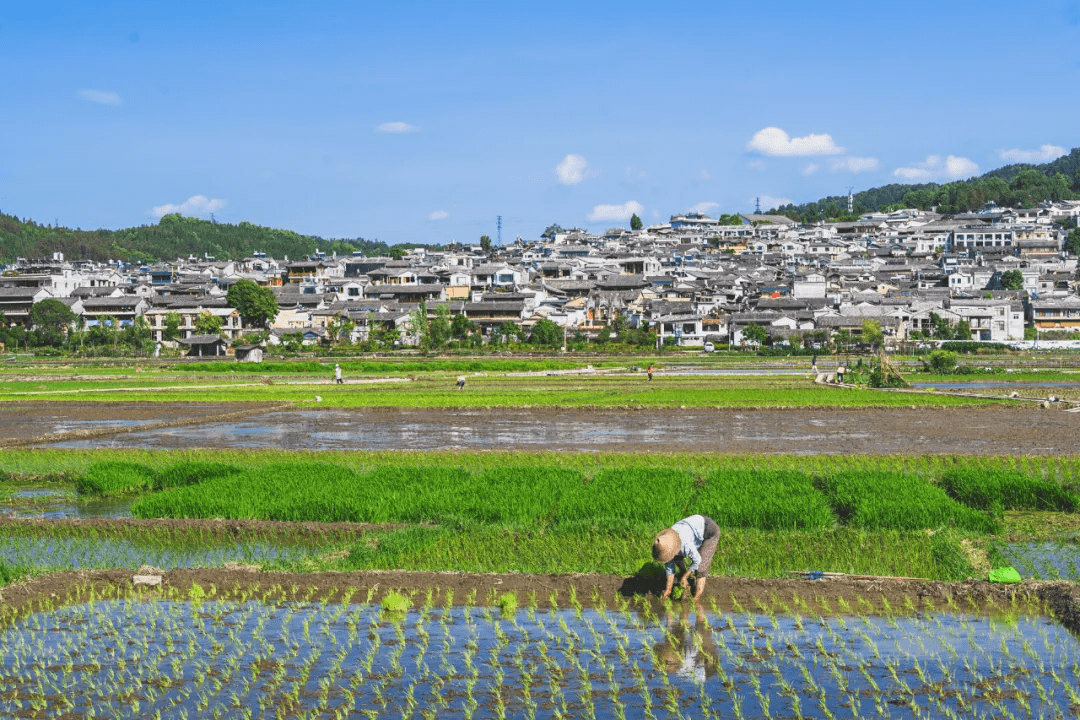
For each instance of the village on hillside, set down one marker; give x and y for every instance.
(998, 275)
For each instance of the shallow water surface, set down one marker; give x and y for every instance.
(34, 502)
(204, 658)
(87, 553)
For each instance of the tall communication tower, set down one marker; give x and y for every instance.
(757, 206)
(499, 225)
(850, 201)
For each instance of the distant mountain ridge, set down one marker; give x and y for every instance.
(1019, 184)
(173, 237)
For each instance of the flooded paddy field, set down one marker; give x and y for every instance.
(213, 644)
(980, 430)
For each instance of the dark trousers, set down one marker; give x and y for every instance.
(708, 546)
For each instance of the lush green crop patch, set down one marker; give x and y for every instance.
(884, 500)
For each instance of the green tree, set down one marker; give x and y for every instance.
(439, 327)
(1012, 280)
(552, 230)
(841, 339)
(942, 329)
(418, 321)
(172, 326)
(620, 325)
(755, 333)
(508, 331)
(137, 336)
(257, 305)
(461, 327)
(962, 330)
(941, 361)
(485, 243)
(208, 324)
(546, 333)
(871, 332)
(635, 222)
(105, 332)
(1072, 242)
(604, 336)
(50, 319)
(293, 342)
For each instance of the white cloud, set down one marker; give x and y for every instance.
(774, 141)
(704, 207)
(1045, 153)
(959, 167)
(99, 97)
(572, 169)
(438, 215)
(811, 169)
(616, 212)
(704, 175)
(851, 163)
(194, 205)
(396, 127)
(952, 168)
(768, 202)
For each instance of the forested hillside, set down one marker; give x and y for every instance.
(173, 237)
(1018, 185)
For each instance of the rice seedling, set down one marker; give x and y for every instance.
(997, 490)
(765, 500)
(884, 500)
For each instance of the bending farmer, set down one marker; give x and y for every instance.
(691, 542)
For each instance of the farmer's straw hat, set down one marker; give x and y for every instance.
(665, 546)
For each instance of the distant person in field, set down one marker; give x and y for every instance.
(337, 374)
(460, 382)
(650, 372)
(689, 546)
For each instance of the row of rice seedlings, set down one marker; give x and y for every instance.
(422, 656)
(47, 462)
(765, 500)
(996, 490)
(884, 500)
(119, 476)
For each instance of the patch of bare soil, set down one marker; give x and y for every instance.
(837, 595)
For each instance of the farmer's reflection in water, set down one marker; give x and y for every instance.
(688, 649)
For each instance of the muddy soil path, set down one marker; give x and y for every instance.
(1062, 599)
(972, 430)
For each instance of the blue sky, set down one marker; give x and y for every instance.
(421, 122)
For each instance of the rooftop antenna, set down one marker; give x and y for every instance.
(850, 201)
(757, 206)
(499, 225)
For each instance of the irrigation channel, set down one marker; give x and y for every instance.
(984, 430)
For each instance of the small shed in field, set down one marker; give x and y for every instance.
(206, 346)
(249, 353)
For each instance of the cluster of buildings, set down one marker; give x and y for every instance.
(692, 279)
